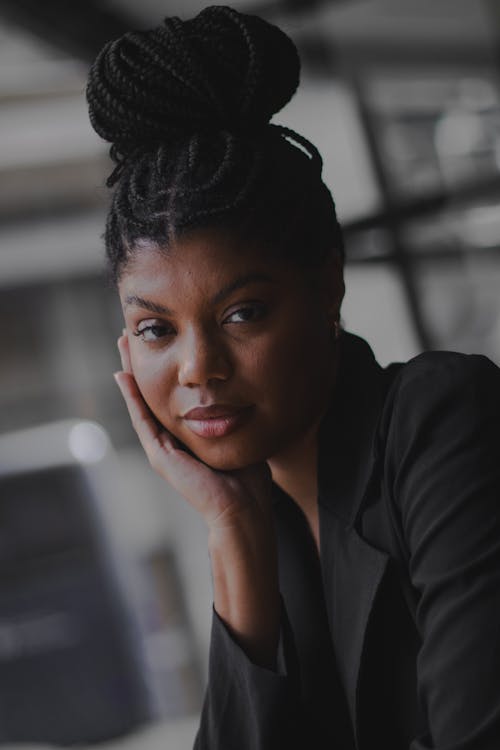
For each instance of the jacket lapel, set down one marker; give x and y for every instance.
(352, 569)
(352, 573)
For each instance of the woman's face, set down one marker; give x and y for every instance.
(232, 351)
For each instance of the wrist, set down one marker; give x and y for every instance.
(246, 589)
(248, 522)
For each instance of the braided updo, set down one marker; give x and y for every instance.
(186, 107)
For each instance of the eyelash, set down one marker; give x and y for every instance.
(253, 307)
(257, 309)
(140, 332)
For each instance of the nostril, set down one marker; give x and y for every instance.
(202, 361)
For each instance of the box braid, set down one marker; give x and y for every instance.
(186, 107)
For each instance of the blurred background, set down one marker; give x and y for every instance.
(105, 594)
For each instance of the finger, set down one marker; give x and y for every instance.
(199, 484)
(202, 487)
(208, 491)
(144, 422)
(153, 437)
(123, 348)
(120, 351)
(126, 351)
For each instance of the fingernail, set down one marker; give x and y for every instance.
(116, 376)
(124, 331)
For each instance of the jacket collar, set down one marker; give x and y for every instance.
(352, 569)
(347, 431)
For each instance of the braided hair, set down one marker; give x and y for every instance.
(187, 108)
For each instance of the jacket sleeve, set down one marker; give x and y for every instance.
(445, 479)
(248, 707)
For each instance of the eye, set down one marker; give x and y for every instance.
(249, 313)
(150, 331)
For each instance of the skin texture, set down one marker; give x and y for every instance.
(265, 346)
(214, 320)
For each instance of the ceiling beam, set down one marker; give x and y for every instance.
(80, 27)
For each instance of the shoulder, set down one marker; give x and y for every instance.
(446, 369)
(437, 397)
(432, 378)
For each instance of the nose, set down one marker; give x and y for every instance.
(202, 358)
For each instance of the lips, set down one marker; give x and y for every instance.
(216, 420)
(214, 411)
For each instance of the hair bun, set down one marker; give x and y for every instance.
(220, 70)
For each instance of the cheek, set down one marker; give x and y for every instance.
(154, 379)
(298, 352)
(302, 372)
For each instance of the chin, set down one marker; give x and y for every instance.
(224, 460)
(224, 454)
(227, 455)
(226, 464)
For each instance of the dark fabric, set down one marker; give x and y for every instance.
(396, 633)
(323, 704)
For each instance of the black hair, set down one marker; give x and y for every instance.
(187, 107)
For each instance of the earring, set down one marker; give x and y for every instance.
(336, 330)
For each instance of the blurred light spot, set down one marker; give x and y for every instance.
(481, 227)
(88, 442)
(477, 93)
(458, 132)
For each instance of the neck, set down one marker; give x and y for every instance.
(295, 471)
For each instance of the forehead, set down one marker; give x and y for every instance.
(202, 260)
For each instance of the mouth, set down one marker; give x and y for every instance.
(216, 420)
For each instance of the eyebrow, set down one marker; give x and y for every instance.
(134, 299)
(239, 283)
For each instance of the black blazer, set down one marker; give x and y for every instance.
(393, 640)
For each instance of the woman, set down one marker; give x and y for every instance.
(352, 512)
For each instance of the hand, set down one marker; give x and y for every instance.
(236, 506)
(224, 499)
